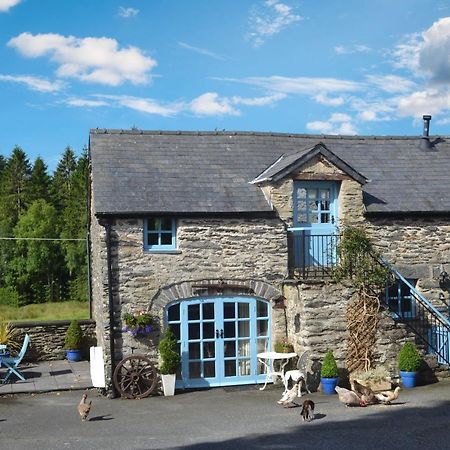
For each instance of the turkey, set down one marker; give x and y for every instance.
(84, 407)
(289, 396)
(349, 398)
(387, 397)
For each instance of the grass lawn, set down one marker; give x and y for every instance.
(45, 311)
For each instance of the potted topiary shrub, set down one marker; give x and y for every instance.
(73, 341)
(329, 374)
(409, 363)
(170, 361)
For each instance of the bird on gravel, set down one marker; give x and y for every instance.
(349, 398)
(364, 393)
(387, 397)
(289, 396)
(84, 407)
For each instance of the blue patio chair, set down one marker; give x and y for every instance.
(12, 363)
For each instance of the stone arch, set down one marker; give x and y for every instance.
(209, 287)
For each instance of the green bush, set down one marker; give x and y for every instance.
(409, 358)
(170, 359)
(74, 336)
(329, 366)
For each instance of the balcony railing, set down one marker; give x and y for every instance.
(311, 255)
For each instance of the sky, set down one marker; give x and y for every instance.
(349, 67)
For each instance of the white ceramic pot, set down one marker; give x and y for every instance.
(168, 382)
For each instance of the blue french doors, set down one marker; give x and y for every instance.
(315, 223)
(219, 338)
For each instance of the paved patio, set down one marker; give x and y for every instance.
(49, 376)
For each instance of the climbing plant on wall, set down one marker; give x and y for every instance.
(358, 263)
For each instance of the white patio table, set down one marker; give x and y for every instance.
(271, 360)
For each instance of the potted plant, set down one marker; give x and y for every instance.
(409, 363)
(73, 341)
(329, 374)
(170, 361)
(283, 346)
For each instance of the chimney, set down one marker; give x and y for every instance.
(425, 143)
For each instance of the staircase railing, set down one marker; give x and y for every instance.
(422, 317)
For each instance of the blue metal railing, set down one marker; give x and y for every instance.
(430, 325)
(311, 256)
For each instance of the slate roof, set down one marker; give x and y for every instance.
(144, 172)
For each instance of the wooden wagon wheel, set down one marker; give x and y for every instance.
(135, 377)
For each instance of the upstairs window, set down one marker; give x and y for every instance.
(159, 234)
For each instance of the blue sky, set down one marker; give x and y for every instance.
(369, 67)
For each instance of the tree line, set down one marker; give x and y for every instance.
(45, 214)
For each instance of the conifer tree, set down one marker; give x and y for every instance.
(39, 181)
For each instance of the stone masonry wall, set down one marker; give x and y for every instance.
(316, 322)
(47, 339)
(208, 249)
(417, 247)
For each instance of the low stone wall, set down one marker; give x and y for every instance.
(47, 339)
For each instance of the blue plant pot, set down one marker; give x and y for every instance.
(328, 385)
(73, 355)
(409, 379)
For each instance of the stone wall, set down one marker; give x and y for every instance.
(315, 316)
(234, 250)
(47, 339)
(418, 247)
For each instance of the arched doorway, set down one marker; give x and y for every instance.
(219, 338)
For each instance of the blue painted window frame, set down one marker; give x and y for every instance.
(159, 232)
(401, 298)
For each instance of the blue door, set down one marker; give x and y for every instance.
(219, 338)
(315, 223)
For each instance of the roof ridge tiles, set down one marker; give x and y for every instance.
(257, 133)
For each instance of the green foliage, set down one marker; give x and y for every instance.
(409, 358)
(170, 359)
(37, 206)
(329, 366)
(357, 261)
(9, 336)
(74, 336)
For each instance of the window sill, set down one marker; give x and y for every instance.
(161, 251)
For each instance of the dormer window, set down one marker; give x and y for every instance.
(159, 234)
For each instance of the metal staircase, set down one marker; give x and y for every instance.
(430, 325)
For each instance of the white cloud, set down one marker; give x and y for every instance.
(299, 85)
(428, 101)
(391, 83)
(274, 17)
(92, 60)
(257, 101)
(83, 102)
(6, 5)
(145, 105)
(202, 51)
(338, 123)
(356, 48)
(427, 53)
(323, 99)
(128, 12)
(373, 110)
(34, 83)
(210, 104)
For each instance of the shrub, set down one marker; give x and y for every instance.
(409, 358)
(74, 336)
(170, 359)
(283, 346)
(329, 366)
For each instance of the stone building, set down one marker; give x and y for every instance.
(227, 237)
